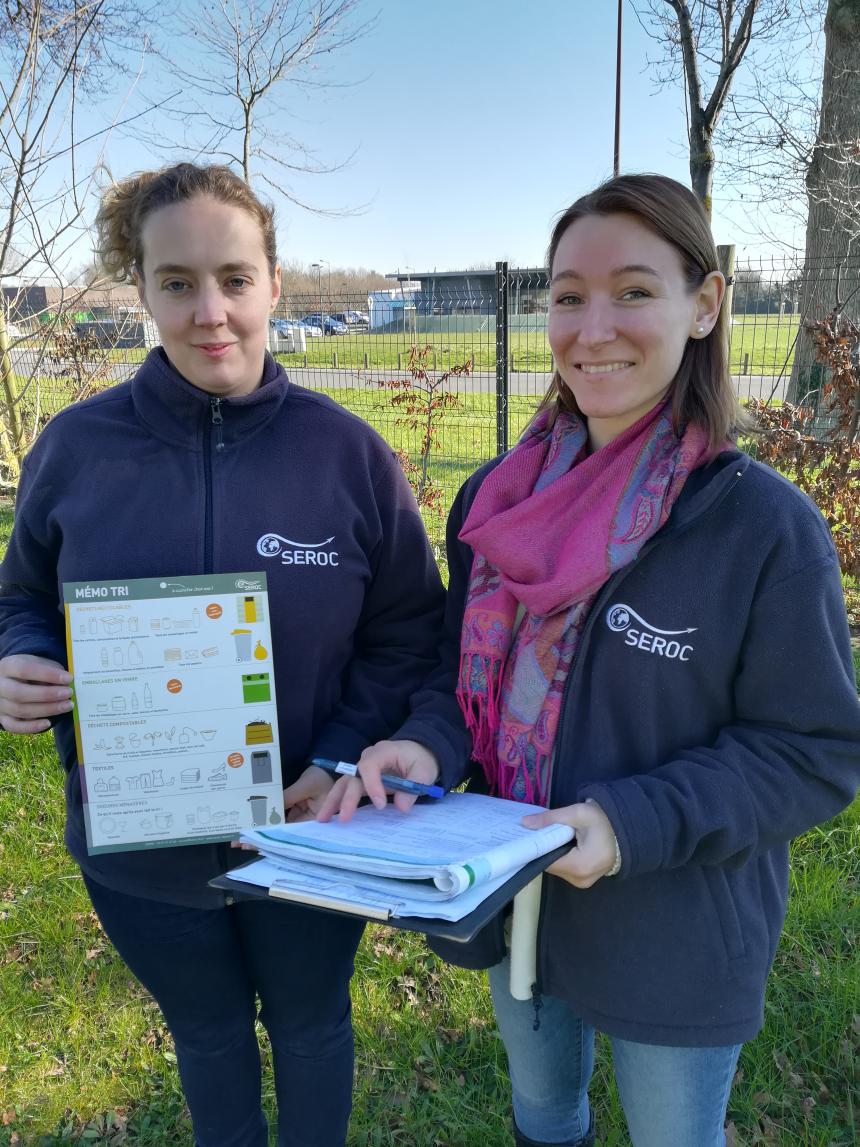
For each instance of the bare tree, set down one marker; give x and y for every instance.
(248, 56)
(52, 53)
(301, 281)
(704, 43)
(767, 134)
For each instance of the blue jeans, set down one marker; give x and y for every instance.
(670, 1095)
(205, 968)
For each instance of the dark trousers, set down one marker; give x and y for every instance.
(206, 968)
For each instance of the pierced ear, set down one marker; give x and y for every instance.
(709, 299)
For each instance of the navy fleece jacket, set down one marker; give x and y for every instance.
(157, 478)
(711, 711)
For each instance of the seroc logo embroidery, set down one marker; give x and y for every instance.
(638, 632)
(298, 553)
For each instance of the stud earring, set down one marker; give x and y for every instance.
(700, 330)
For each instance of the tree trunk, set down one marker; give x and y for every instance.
(702, 160)
(10, 424)
(832, 265)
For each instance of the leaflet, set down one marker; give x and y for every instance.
(175, 709)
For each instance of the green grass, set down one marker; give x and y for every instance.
(764, 344)
(85, 1055)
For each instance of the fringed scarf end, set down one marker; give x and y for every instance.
(479, 695)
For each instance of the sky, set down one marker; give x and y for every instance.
(470, 125)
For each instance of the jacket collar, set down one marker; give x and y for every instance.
(177, 412)
(706, 487)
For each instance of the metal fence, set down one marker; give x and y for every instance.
(449, 369)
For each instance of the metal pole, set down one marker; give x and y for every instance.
(616, 165)
(501, 357)
(318, 268)
(726, 260)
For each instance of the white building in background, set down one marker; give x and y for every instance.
(393, 309)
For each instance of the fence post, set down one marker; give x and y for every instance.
(726, 259)
(501, 357)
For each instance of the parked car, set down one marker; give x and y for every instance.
(312, 330)
(356, 320)
(284, 326)
(328, 323)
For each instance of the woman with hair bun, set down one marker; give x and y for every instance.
(184, 469)
(634, 606)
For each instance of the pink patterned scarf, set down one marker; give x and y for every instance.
(549, 526)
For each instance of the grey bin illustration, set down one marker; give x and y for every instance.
(261, 767)
(258, 809)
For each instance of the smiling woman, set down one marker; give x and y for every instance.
(211, 301)
(633, 607)
(212, 316)
(621, 315)
(188, 468)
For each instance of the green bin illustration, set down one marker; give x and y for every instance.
(256, 687)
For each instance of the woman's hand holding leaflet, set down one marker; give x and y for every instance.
(32, 690)
(304, 798)
(593, 855)
(397, 758)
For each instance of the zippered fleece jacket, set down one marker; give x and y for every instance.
(155, 477)
(711, 712)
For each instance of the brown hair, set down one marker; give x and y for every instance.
(702, 392)
(126, 205)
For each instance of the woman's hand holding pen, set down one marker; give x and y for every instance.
(32, 690)
(398, 758)
(593, 855)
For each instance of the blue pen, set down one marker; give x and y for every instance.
(399, 784)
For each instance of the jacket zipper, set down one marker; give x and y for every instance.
(607, 590)
(216, 421)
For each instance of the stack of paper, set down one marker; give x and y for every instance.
(440, 860)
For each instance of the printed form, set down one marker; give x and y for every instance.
(175, 709)
(456, 850)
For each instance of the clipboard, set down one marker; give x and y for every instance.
(458, 930)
